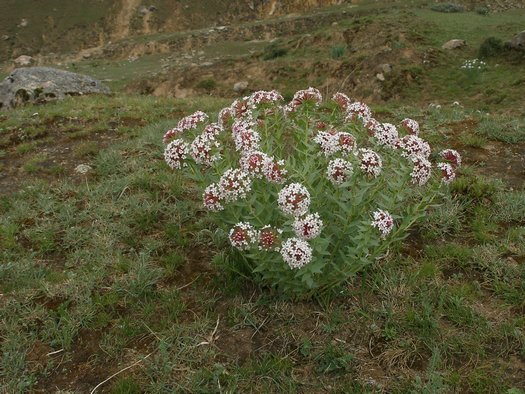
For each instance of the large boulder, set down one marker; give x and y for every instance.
(518, 41)
(38, 84)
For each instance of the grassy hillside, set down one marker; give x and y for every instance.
(118, 268)
(119, 274)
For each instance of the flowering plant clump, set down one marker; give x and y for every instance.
(473, 64)
(309, 192)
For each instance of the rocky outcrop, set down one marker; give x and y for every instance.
(39, 84)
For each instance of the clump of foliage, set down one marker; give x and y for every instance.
(274, 50)
(207, 84)
(311, 192)
(337, 51)
(482, 10)
(491, 47)
(448, 7)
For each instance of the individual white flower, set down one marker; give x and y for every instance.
(294, 199)
(296, 252)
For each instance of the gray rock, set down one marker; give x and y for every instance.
(23, 61)
(518, 41)
(39, 84)
(454, 44)
(240, 86)
(380, 76)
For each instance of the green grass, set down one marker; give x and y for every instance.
(122, 264)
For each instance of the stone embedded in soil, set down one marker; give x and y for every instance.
(40, 84)
(454, 44)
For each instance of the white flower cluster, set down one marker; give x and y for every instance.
(247, 141)
(372, 125)
(275, 172)
(331, 142)
(339, 170)
(308, 227)
(212, 198)
(243, 235)
(254, 163)
(412, 146)
(347, 142)
(411, 126)
(371, 162)
(294, 199)
(175, 153)
(342, 100)
(270, 238)
(296, 252)
(310, 94)
(328, 142)
(213, 130)
(358, 111)
(387, 135)
(224, 116)
(202, 147)
(473, 64)
(383, 221)
(262, 97)
(234, 184)
(191, 121)
(447, 172)
(452, 156)
(170, 135)
(421, 171)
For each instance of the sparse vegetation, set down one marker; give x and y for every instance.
(337, 51)
(274, 50)
(491, 47)
(448, 7)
